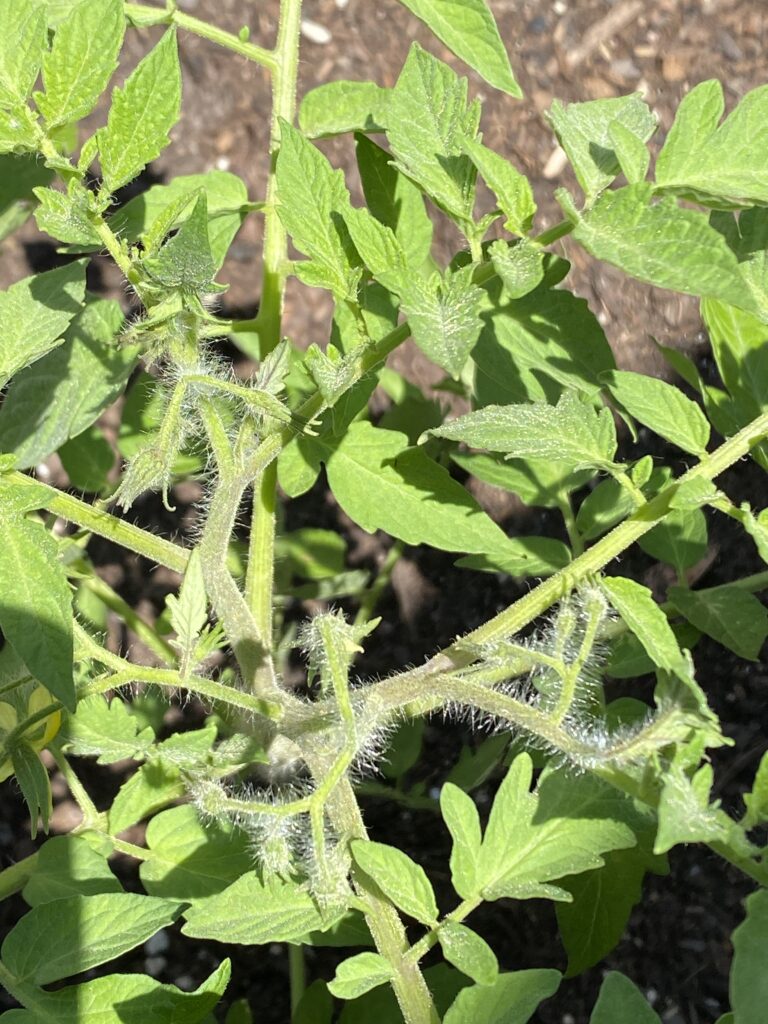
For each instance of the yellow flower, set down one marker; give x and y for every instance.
(39, 736)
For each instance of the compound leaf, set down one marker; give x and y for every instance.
(107, 730)
(511, 188)
(644, 618)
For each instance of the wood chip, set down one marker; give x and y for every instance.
(603, 30)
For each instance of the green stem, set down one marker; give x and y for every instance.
(259, 582)
(14, 878)
(103, 524)
(373, 595)
(566, 511)
(297, 974)
(143, 14)
(91, 814)
(275, 253)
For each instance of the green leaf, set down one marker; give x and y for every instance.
(394, 200)
(733, 617)
(190, 859)
(252, 912)
(533, 344)
(23, 42)
(584, 130)
(511, 188)
(66, 215)
(399, 878)
(87, 460)
(571, 432)
(312, 553)
(63, 393)
(19, 175)
(379, 249)
(704, 160)
(468, 28)
(185, 260)
(463, 822)
(593, 924)
(662, 408)
(644, 618)
(621, 1002)
(403, 749)
(537, 482)
(522, 556)
(68, 866)
(55, 940)
(520, 266)
(747, 236)
(313, 198)
(663, 244)
(512, 999)
(152, 788)
(314, 1007)
(142, 114)
(35, 313)
(444, 316)
(738, 340)
(188, 611)
(749, 981)
(127, 999)
(34, 784)
(81, 61)
(381, 1006)
(680, 540)
(16, 132)
(468, 952)
(107, 730)
(149, 217)
(562, 829)
(684, 811)
(756, 801)
(427, 125)
(383, 483)
(36, 604)
(359, 974)
(338, 107)
(631, 152)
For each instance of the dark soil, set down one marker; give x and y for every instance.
(676, 947)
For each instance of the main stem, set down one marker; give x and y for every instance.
(259, 581)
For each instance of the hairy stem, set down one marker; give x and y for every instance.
(143, 14)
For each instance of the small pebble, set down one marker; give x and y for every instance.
(223, 163)
(556, 163)
(185, 983)
(315, 33)
(342, 4)
(560, 7)
(157, 944)
(155, 965)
